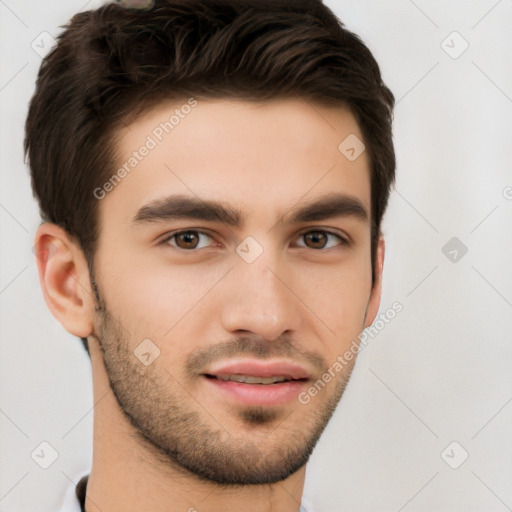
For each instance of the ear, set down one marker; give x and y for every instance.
(375, 295)
(64, 279)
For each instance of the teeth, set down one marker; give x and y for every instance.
(247, 379)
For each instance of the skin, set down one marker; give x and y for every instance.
(159, 429)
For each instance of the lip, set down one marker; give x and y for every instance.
(258, 368)
(280, 393)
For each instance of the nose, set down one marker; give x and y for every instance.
(261, 300)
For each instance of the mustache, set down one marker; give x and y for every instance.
(204, 357)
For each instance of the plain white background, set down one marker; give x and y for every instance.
(438, 373)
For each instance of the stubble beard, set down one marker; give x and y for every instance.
(184, 436)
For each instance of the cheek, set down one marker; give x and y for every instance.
(152, 299)
(338, 295)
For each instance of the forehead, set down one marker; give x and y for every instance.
(258, 156)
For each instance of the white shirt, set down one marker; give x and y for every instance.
(71, 503)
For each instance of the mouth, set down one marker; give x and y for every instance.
(257, 382)
(253, 379)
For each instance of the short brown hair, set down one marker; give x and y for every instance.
(112, 63)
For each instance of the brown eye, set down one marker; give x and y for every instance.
(316, 239)
(186, 239)
(320, 239)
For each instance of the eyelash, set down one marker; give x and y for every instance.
(165, 241)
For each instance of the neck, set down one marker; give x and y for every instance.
(127, 477)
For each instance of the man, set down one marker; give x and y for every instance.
(212, 176)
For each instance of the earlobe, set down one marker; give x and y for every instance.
(374, 302)
(64, 279)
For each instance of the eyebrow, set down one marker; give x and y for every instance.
(186, 207)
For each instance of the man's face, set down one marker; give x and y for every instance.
(271, 286)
